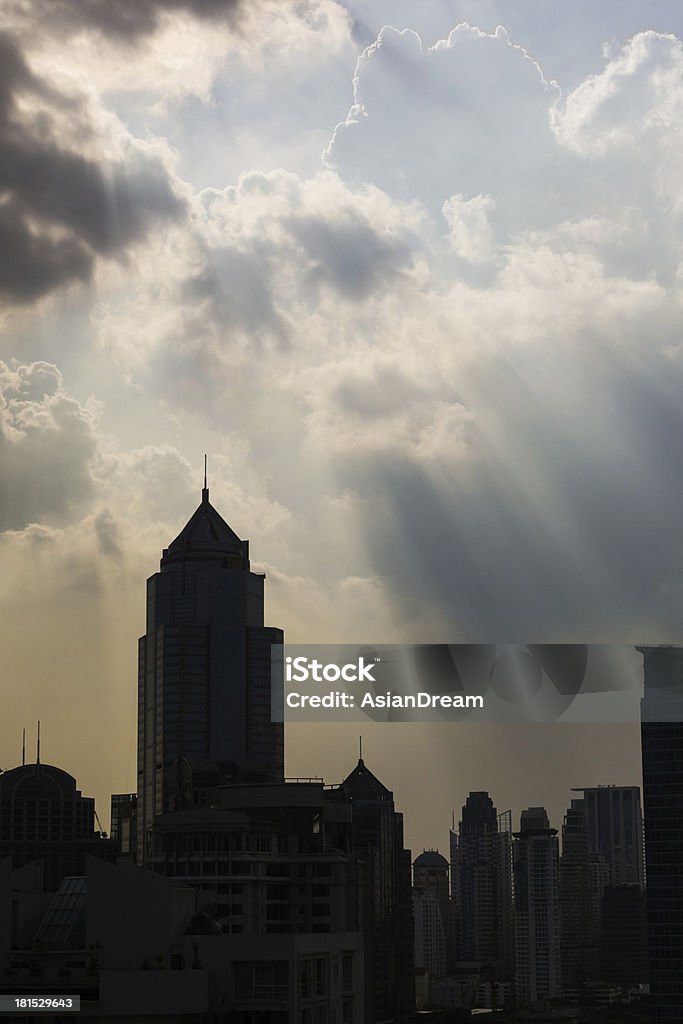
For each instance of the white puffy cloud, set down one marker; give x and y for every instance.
(47, 443)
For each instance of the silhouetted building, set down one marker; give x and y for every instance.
(204, 675)
(277, 857)
(579, 928)
(123, 829)
(430, 938)
(537, 908)
(623, 941)
(386, 917)
(45, 818)
(138, 946)
(662, 746)
(431, 871)
(482, 858)
(280, 858)
(615, 830)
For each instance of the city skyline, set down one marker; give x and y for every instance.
(208, 533)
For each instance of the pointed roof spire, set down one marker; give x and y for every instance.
(361, 784)
(207, 535)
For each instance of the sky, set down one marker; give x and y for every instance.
(412, 276)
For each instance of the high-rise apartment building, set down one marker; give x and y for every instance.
(537, 908)
(580, 929)
(482, 865)
(615, 829)
(430, 938)
(430, 873)
(662, 749)
(204, 674)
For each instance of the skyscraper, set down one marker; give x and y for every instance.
(483, 887)
(430, 940)
(204, 674)
(537, 906)
(580, 929)
(430, 875)
(662, 746)
(615, 829)
(385, 905)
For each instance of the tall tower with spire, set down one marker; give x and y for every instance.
(204, 675)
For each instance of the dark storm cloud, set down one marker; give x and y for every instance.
(61, 209)
(32, 265)
(123, 20)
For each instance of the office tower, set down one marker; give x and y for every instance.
(623, 939)
(615, 829)
(662, 749)
(386, 917)
(430, 872)
(483, 887)
(430, 938)
(455, 919)
(45, 818)
(204, 674)
(537, 908)
(579, 934)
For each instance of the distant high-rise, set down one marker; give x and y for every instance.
(430, 875)
(483, 887)
(615, 829)
(537, 907)
(204, 674)
(662, 745)
(430, 938)
(579, 936)
(385, 904)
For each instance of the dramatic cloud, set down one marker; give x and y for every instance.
(125, 19)
(276, 264)
(60, 208)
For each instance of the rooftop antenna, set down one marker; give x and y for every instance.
(23, 747)
(360, 748)
(38, 745)
(205, 490)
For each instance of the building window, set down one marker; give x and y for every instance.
(261, 979)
